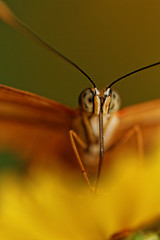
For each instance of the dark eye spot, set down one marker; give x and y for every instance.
(90, 100)
(114, 95)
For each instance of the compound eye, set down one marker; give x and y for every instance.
(115, 102)
(86, 100)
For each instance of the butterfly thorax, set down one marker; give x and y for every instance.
(86, 124)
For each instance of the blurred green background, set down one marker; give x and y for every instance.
(106, 38)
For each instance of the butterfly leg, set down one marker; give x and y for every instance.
(134, 131)
(73, 137)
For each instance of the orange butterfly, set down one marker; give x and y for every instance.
(40, 129)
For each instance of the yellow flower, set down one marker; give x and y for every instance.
(47, 208)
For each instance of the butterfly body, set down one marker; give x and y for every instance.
(87, 128)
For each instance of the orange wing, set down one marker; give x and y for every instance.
(146, 116)
(35, 128)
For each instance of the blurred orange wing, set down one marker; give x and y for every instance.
(34, 127)
(146, 116)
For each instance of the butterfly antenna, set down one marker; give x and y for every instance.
(133, 72)
(8, 16)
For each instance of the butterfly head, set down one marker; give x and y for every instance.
(93, 101)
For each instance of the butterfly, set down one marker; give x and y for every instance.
(43, 131)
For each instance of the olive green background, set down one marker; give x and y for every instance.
(107, 38)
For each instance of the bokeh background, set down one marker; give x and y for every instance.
(106, 38)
